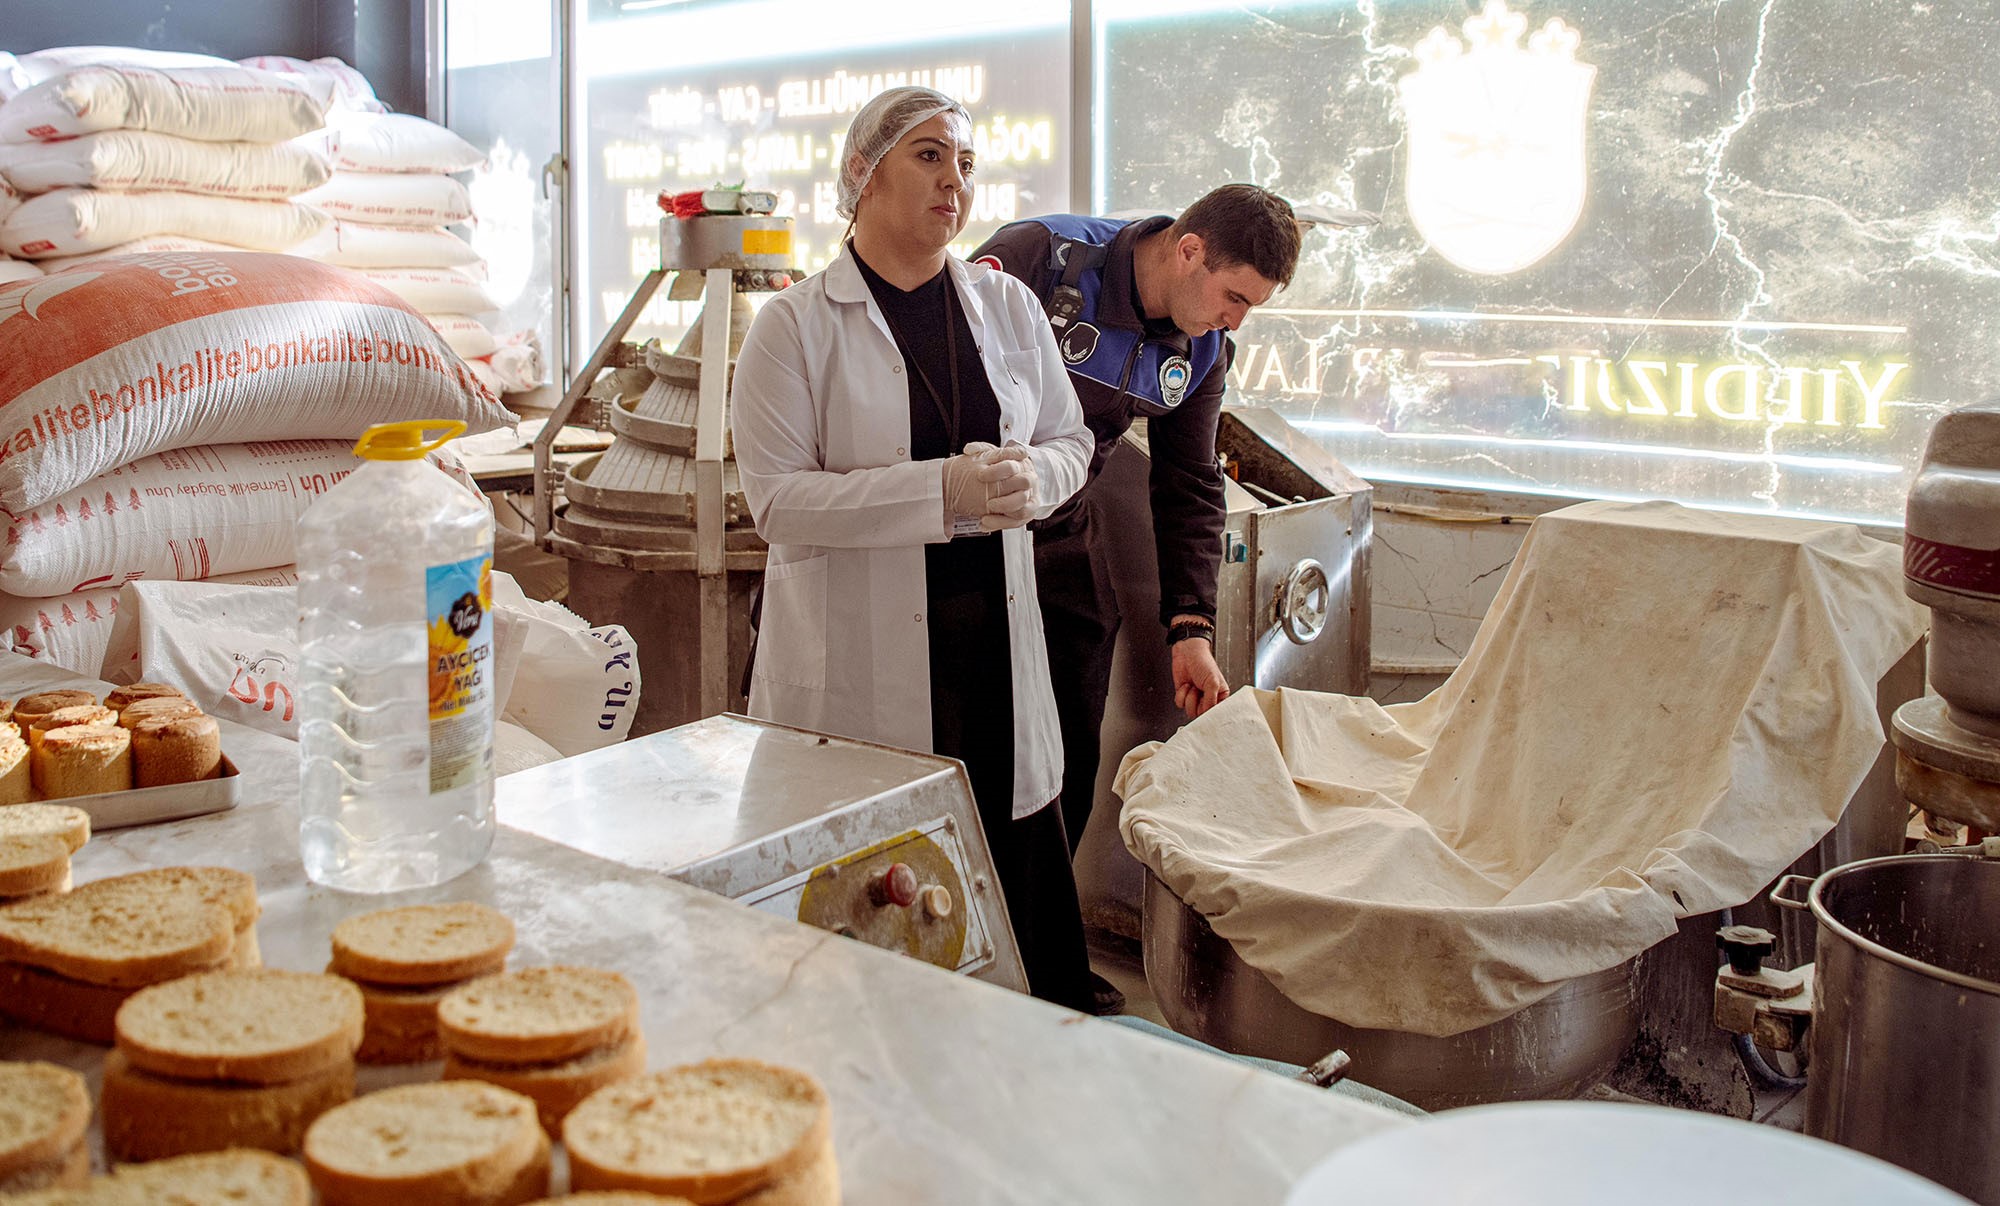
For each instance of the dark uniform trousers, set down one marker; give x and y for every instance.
(1080, 622)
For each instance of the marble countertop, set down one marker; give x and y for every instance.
(944, 1089)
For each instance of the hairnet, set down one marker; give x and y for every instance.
(880, 125)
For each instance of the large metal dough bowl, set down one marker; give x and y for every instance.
(1555, 1048)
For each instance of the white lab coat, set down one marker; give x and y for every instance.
(820, 412)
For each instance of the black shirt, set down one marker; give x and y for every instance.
(916, 318)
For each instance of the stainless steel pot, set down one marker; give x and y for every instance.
(1556, 1047)
(1905, 1041)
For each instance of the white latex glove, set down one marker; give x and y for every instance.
(964, 490)
(1011, 486)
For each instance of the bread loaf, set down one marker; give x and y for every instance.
(44, 1111)
(147, 1117)
(422, 944)
(455, 1143)
(164, 707)
(82, 760)
(556, 1089)
(538, 1015)
(183, 749)
(33, 863)
(124, 697)
(30, 708)
(727, 1130)
(262, 1026)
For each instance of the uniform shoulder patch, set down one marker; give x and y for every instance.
(1078, 343)
(991, 261)
(1174, 373)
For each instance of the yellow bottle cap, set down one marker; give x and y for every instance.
(405, 441)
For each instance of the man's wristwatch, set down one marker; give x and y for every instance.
(1184, 629)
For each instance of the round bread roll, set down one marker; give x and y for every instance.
(423, 944)
(241, 1177)
(450, 1143)
(263, 1026)
(163, 707)
(44, 1111)
(179, 749)
(30, 708)
(538, 1015)
(125, 697)
(712, 1132)
(82, 760)
(44, 1000)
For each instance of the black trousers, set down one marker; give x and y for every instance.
(972, 719)
(1080, 622)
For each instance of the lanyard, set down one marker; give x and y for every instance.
(949, 415)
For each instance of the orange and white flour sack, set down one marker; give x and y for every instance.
(186, 514)
(107, 363)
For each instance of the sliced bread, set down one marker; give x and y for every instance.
(71, 1170)
(30, 708)
(17, 778)
(712, 1132)
(557, 1088)
(454, 1143)
(71, 823)
(117, 939)
(615, 1198)
(423, 944)
(238, 1177)
(147, 1117)
(44, 1111)
(263, 1026)
(33, 863)
(231, 889)
(165, 707)
(122, 698)
(538, 1014)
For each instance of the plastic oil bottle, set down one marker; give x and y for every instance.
(396, 641)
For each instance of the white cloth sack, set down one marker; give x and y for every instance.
(395, 142)
(576, 686)
(127, 160)
(391, 198)
(516, 749)
(435, 290)
(360, 245)
(215, 104)
(18, 270)
(184, 515)
(153, 245)
(1661, 711)
(75, 221)
(517, 363)
(351, 89)
(41, 65)
(73, 631)
(102, 365)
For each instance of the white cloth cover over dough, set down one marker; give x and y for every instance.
(1661, 711)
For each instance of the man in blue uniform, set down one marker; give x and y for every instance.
(1142, 313)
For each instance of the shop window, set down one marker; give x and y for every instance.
(1740, 255)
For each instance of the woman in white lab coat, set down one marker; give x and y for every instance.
(898, 419)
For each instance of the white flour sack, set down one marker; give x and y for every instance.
(75, 630)
(396, 142)
(74, 221)
(126, 160)
(351, 89)
(214, 104)
(40, 65)
(153, 245)
(17, 270)
(435, 290)
(359, 245)
(465, 335)
(111, 362)
(186, 514)
(392, 199)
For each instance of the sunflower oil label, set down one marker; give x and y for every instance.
(459, 605)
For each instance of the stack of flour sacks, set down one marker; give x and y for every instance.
(118, 151)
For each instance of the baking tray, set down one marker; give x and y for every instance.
(148, 805)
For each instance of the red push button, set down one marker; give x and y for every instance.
(896, 886)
